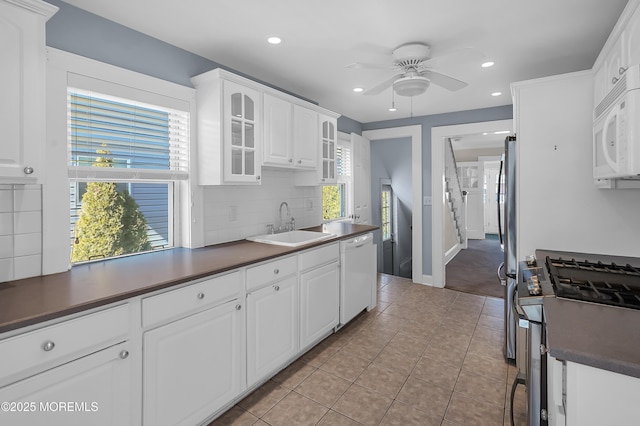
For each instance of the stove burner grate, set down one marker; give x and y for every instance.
(611, 284)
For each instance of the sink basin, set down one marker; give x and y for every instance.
(292, 238)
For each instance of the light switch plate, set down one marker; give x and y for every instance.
(427, 201)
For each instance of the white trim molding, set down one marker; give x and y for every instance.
(415, 133)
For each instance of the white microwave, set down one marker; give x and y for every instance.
(616, 130)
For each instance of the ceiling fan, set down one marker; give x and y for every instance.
(412, 63)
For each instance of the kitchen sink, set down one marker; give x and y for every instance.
(292, 238)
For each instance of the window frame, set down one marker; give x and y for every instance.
(346, 180)
(187, 218)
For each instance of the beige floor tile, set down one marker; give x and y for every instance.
(407, 345)
(490, 367)
(363, 405)
(264, 398)
(491, 322)
(323, 351)
(345, 365)
(381, 380)
(323, 387)
(400, 414)
(442, 354)
(480, 387)
(236, 416)
(295, 409)
(425, 396)
(437, 372)
(294, 374)
(486, 347)
(363, 349)
(467, 411)
(493, 311)
(333, 418)
(396, 361)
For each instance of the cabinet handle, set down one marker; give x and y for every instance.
(200, 296)
(276, 271)
(28, 170)
(238, 307)
(614, 80)
(48, 346)
(299, 161)
(621, 70)
(124, 354)
(276, 287)
(291, 160)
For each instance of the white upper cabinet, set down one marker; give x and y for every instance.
(229, 129)
(290, 134)
(22, 84)
(329, 138)
(305, 137)
(621, 51)
(243, 125)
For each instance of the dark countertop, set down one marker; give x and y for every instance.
(38, 299)
(600, 336)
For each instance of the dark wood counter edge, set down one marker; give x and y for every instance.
(37, 285)
(562, 348)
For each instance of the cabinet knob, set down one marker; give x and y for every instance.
(257, 177)
(200, 296)
(48, 346)
(291, 160)
(238, 307)
(614, 80)
(299, 161)
(276, 271)
(124, 354)
(276, 287)
(28, 170)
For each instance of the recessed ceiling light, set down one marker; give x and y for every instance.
(274, 40)
(358, 89)
(502, 132)
(488, 64)
(496, 94)
(485, 134)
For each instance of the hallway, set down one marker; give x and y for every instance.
(474, 270)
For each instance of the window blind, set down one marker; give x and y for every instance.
(110, 138)
(343, 160)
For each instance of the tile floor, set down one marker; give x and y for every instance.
(424, 356)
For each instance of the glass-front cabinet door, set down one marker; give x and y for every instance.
(329, 136)
(241, 133)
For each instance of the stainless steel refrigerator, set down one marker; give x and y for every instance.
(508, 271)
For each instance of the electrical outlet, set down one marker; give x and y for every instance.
(233, 213)
(309, 204)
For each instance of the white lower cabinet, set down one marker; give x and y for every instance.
(193, 366)
(272, 328)
(319, 303)
(93, 390)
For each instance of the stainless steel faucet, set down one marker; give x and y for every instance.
(288, 222)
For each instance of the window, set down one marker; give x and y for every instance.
(334, 197)
(385, 202)
(125, 160)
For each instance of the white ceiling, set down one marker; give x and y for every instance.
(526, 39)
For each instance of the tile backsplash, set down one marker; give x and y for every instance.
(20, 231)
(236, 212)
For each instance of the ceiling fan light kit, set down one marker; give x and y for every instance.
(411, 86)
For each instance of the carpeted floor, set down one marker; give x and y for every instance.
(474, 269)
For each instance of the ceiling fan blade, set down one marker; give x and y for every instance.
(445, 81)
(360, 65)
(382, 86)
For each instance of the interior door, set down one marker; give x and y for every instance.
(361, 179)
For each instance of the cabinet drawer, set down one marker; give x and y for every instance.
(182, 301)
(319, 256)
(60, 342)
(257, 276)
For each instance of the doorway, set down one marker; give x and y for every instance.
(439, 136)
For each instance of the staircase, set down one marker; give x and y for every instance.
(456, 199)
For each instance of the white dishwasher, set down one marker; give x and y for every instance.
(357, 276)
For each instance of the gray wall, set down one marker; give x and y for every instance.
(427, 122)
(389, 159)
